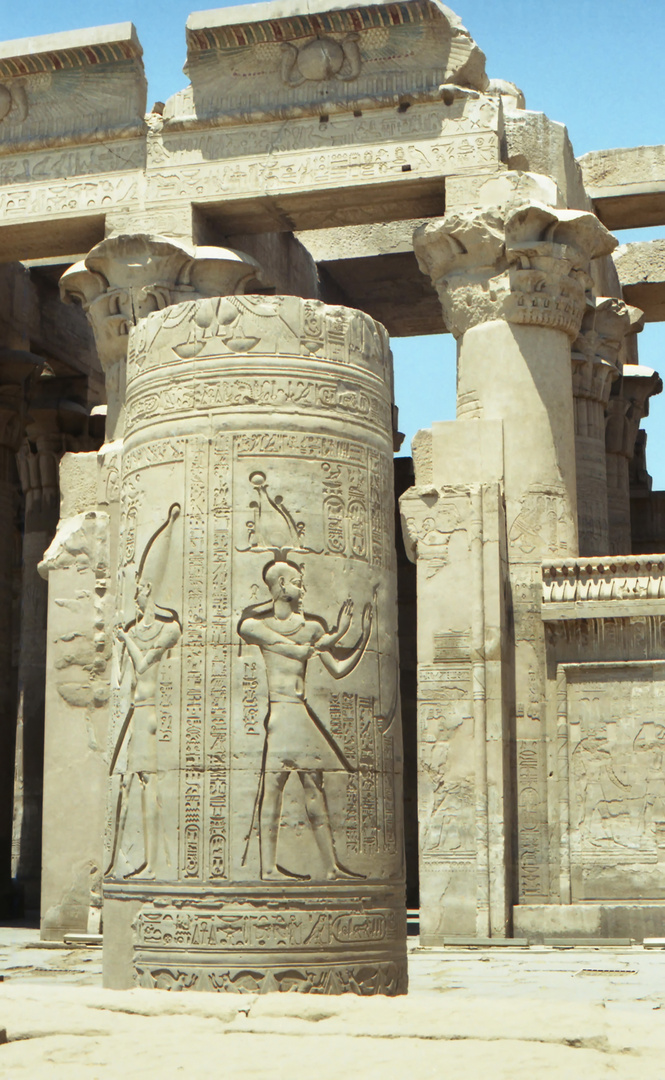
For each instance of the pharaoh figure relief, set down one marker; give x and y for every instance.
(141, 645)
(297, 741)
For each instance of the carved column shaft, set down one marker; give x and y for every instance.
(54, 422)
(513, 284)
(17, 372)
(256, 713)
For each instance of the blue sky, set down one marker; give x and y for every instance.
(595, 65)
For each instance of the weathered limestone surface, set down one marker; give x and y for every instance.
(627, 186)
(641, 270)
(255, 831)
(78, 658)
(536, 144)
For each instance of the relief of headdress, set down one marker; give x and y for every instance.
(273, 528)
(155, 557)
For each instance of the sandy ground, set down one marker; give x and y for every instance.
(499, 1013)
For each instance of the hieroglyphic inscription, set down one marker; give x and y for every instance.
(166, 702)
(262, 929)
(348, 397)
(324, 167)
(433, 122)
(250, 700)
(531, 853)
(356, 490)
(194, 658)
(219, 673)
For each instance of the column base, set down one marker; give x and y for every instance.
(240, 940)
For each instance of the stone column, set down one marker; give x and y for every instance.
(596, 365)
(255, 833)
(54, 424)
(121, 281)
(627, 406)
(18, 371)
(513, 282)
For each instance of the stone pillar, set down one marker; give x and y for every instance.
(627, 406)
(513, 282)
(255, 829)
(121, 281)
(18, 371)
(54, 423)
(596, 365)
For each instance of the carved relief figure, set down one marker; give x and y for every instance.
(143, 643)
(603, 794)
(296, 740)
(321, 59)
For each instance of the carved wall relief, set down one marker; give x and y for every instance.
(615, 797)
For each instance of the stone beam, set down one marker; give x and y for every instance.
(627, 186)
(641, 269)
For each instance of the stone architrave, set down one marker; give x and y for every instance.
(596, 360)
(55, 424)
(513, 282)
(18, 370)
(122, 280)
(626, 408)
(254, 836)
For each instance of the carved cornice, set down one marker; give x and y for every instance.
(630, 577)
(526, 263)
(125, 278)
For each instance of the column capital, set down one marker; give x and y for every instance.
(597, 351)
(628, 406)
(125, 278)
(526, 263)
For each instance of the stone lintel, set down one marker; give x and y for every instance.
(306, 58)
(46, 52)
(641, 270)
(59, 89)
(627, 185)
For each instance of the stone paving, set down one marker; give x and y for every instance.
(503, 1013)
